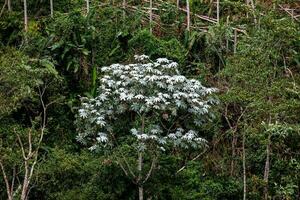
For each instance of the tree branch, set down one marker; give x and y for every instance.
(123, 157)
(22, 147)
(150, 170)
(2, 10)
(195, 158)
(8, 189)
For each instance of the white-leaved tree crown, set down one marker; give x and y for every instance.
(147, 88)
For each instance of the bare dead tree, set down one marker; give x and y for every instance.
(234, 128)
(29, 153)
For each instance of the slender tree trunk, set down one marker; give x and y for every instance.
(140, 166)
(247, 3)
(8, 188)
(151, 15)
(218, 11)
(124, 9)
(188, 15)
(9, 5)
(30, 156)
(25, 16)
(227, 40)
(87, 6)
(235, 41)
(25, 182)
(267, 168)
(253, 8)
(51, 8)
(233, 153)
(244, 168)
(141, 193)
(177, 3)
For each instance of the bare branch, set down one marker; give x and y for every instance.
(22, 147)
(29, 143)
(195, 158)
(123, 157)
(2, 10)
(123, 168)
(13, 180)
(151, 169)
(288, 12)
(226, 117)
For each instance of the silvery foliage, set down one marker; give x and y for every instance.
(143, 88)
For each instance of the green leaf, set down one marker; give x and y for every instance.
(57, 45)
(85, 52)
(49, 66)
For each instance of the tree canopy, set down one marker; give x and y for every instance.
(136, 99)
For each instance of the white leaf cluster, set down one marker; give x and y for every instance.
(186, 139)
(142, 88)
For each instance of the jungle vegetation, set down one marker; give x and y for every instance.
(150, 99)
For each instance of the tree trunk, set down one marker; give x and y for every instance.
(233, 153)
(235, 41)
(244, 168)
(188, 15)
(253, 7)
(151, 15)
(25, 16)
(140, 166)
(87, 6)
(8, 188)
(227, 40)
(218, 11)
(124, 9)
(9, 5)
(51, 8)
(177, 3)
(25, 182)
(141, 193)
(267, 168)
(247, 3)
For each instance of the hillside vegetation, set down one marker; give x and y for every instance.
(150, 99)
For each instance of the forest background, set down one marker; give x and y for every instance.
(51, 53)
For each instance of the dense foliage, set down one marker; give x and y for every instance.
(212, 113)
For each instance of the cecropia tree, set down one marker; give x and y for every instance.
(165, 108)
